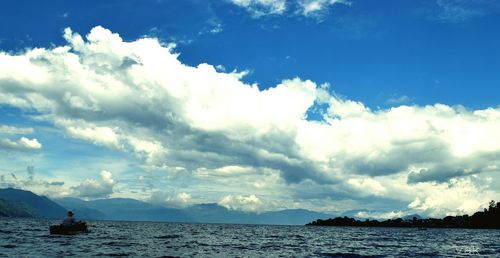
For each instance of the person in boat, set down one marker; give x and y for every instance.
(69, 220)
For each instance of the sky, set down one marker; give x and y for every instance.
(378, 108)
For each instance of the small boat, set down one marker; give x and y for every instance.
(78, 227)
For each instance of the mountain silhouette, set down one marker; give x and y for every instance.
(28, 204)
(20, 203)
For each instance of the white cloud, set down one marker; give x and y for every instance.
(259, 8)
(307, 8)
(9, 130)
(22, 144)
(138, 97)
(314, 8)
(181, 199)
(368, 186)
(91, 188)
(243, 203)
(97, 134)
(458, 197)
(214, 28)
(399, 100)
(31, 144)
(381, 215)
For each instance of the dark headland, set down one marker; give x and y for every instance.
(487, 219)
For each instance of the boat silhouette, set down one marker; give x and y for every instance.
(78, 227)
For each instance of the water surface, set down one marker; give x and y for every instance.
(30, 237)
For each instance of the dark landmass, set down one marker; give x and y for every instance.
(14, 209)
(410, 217)
(487, 219)
(20, 203)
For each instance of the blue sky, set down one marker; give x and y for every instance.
(346, 96)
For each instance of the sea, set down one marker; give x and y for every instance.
(31, 238)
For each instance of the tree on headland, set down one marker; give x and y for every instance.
(492, 205)
(489, 218)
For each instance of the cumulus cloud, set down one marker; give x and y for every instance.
(101, 135)
(22, 144)
(92, 188)
(458, 197)
(120, 96)
(240, 202)
(170, 199)
(137, 97)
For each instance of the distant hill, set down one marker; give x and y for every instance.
(20, 203)
(134, 210)
(12, 209)
(122, 209)
(81, 208)
(214, 213)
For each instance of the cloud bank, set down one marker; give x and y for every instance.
(137, 97)
(91, 188)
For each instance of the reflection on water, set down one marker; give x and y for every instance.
(30, 237)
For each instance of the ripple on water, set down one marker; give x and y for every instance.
(115, 243)
(169, 236)
(114, 254)
(347, 255)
